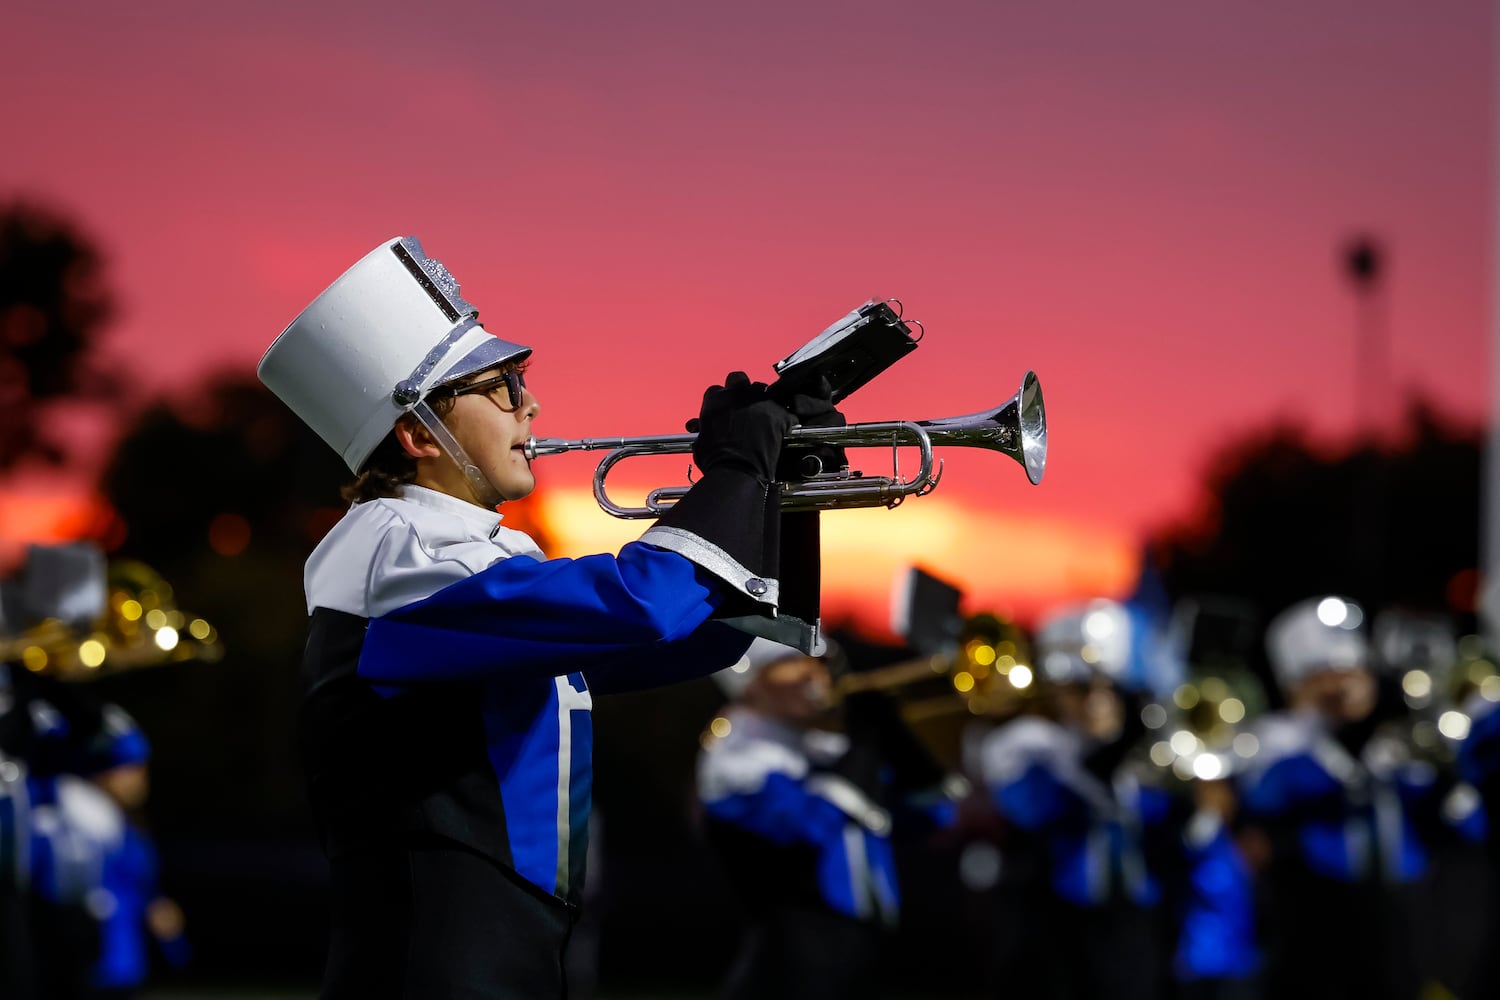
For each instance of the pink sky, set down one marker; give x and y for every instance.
(1143, 202)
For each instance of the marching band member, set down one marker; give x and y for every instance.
(17, 951)
(134, 917)
(1478, 762)
(75, 869)
(1217, 954)
(1202, 739)
(1107, 828)
(445, 728)
(1336, 813)
(54, 824)
(802, 818)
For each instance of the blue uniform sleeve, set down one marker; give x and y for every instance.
(1479, 754)
(710, 648)
(609, 616)
(1288, 786)
(1035, 800)
(781, 810)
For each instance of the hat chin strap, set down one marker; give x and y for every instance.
(483, 491)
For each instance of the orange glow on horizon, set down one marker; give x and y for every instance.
(1014, 565)
(46, 516)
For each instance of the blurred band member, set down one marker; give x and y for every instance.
(17, 950)
(135, 920)
(1108, 828)
(802, 819)
(1218, 954)
(1333, 816)
(1479, 766)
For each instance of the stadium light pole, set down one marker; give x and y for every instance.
(1364, 261)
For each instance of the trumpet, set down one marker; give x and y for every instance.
(1017, 428)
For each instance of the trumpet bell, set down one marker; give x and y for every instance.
(1018, 429)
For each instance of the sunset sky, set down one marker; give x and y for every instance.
(1145, 203)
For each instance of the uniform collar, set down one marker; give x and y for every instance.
(483, 520)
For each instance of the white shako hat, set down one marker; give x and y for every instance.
(1408, 640)
(1320, 633)
(390, 330)
(1077, 642)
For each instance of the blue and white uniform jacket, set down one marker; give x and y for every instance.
(74, 827)
(1479, 753)
(129, 887)
(1347, 819)
(771, 780)
(448, 671)
(1217, 934)
(1095, 831)
(15, 825)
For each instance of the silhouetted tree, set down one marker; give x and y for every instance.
(53, 305)
(1386, 525)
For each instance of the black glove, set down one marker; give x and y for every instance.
(740, 427)
(813, 407)
(729, 523)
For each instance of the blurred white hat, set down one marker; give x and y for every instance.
(1407, 640)
(1080, 641)
(66, 582)
(391, 329)
(1320, 633)
(733, 680)
(1110, 639)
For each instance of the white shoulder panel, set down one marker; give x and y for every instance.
(754, 749)
(388, 553)
(1009, 750)
(86, 810)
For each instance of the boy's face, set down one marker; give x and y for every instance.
(492, 431)
(1094, 709)
(129, 784)
(794, 690)
(1340, 696)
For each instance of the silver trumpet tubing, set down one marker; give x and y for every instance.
(1018, 429)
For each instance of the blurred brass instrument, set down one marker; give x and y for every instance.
(1017, 428)
(989, 674)
(1201, 732)
(1440, 674)
(141, 627)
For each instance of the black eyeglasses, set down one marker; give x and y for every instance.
(514, 381)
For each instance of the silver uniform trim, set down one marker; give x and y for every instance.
(568, 699)
(1388, 833)
(850, 801)
(885, 896)
(859, 871)
(714, 559)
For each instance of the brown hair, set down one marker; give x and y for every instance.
(389, 467)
